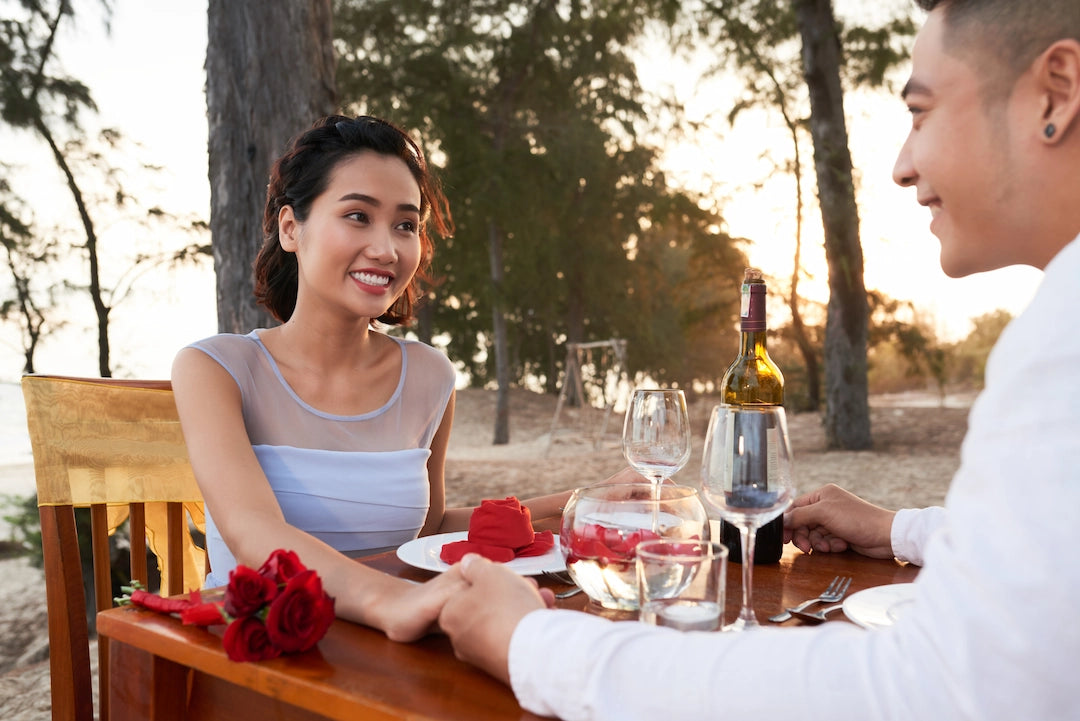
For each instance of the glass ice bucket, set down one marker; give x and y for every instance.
(602, 525)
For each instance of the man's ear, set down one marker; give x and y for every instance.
(288, 229)
(1057, 72)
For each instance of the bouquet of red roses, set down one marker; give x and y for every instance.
(280, 608)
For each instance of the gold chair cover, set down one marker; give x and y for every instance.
(114, 442)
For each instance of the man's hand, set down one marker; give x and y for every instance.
(481, 619)
(831, 519)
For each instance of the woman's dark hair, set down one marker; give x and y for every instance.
(303, 172)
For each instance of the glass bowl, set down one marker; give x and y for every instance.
(602, 525)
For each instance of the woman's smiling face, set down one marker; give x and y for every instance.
(359, 248)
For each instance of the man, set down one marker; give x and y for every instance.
(994, 152)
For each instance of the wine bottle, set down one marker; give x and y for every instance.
(754, 379)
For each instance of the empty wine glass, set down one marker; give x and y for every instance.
(656, 434)
(746, 476)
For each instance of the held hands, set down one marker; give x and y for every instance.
(481, 619)
(411, 610)
(831, 519)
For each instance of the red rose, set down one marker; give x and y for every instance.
(281, 566)
(246, 639)
(301, 613)
(248, 591)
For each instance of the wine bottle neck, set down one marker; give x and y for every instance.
(752, 343)
(752, 312)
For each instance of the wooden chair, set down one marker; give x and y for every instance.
(114, 446)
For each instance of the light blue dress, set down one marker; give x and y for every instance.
(354, 482)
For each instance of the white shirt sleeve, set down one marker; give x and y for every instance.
(990, 635)
(911, 530)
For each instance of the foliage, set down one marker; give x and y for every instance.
(969, 356)
(789, 62)
(912, 340)
(25, 526)
(37, 98)
(533, 112)
(106, 165)
(905, 352)
(29, 91)
(34, 297)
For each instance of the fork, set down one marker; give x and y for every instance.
(818, 616)
(564, 579)
(832, 594)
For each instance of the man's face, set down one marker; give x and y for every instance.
(958, 157)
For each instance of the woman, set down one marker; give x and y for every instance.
(323, 435)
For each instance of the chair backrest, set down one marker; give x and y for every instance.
(115, 447)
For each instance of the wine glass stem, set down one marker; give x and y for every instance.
(656, 483)
(747, 537)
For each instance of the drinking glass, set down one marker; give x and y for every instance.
(746, 476)
(681, 583)
(656, 434)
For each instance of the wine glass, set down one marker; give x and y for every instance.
(656, 435)
(746, 476)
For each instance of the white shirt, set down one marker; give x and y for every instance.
(992, 634)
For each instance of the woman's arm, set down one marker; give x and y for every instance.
(439, 518)
(247, 513)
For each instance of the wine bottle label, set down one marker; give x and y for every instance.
(753, 461)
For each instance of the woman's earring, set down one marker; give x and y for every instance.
(1049, 130)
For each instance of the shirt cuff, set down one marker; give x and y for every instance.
(534, 677)
(911, 529)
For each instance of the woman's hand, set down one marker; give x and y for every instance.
(409, 611)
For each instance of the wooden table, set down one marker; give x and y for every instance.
(161, 670)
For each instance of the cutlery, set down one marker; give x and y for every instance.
(817, 616)
(832, 594)
(565, 579)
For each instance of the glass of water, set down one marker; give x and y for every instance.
(681, 583)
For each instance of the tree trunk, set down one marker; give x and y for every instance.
(509, 87)
(847, 410)
(425, 322)
(269, 75)
(498, 326)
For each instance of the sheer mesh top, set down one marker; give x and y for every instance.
(356, 482)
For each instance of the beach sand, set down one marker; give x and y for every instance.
(916, 453)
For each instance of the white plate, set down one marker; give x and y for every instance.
(879, 606)
(424, 553)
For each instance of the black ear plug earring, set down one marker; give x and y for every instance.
(1049, 130)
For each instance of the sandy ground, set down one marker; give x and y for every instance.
(916, 453)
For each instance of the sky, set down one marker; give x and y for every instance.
(147, 79)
